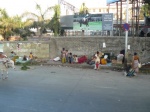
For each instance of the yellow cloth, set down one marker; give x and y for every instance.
(14, 58)
(103, 61)
(63, 60)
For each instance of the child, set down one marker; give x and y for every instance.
(76, 59)
(70, 58)
(97, 65)
(63, 56)
(31, 56)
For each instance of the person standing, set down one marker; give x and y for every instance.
(70, 58)
(63, 55)
(97, 60)
(135, 62)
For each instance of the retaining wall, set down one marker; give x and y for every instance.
(79, 46)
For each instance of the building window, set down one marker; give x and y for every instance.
(99, 10)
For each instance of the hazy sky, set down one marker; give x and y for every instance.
(14, 7)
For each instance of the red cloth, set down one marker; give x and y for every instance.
(82, 59)
(97, 65)
(2, 56)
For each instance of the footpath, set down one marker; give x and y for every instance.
(81, 65)
(111, 66)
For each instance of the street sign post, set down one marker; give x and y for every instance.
(126, 26)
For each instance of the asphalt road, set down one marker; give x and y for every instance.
(65, 89)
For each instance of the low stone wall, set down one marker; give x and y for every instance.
(21, 48)
(89, 45)
(79, 46)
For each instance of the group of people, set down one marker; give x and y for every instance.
(68, 57)
(25, 58)
(98, 59)
(132, 68)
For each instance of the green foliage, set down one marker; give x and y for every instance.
(145, 9)
(9, 24)
(54, 24)
(24, 67)
(38, 20)
(18, 63)
(83, 9)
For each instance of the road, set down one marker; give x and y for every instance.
(66, 89)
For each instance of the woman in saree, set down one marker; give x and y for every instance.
(135, 62)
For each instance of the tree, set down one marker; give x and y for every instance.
(83, 9)
(145, 10)
(39, 19)
(8, 24)
(54, 24)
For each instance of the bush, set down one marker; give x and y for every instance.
(25, 67)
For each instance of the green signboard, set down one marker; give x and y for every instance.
(87, 22)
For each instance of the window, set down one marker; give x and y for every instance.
(93, 10)
(99, 10)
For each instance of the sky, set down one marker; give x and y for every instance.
(17, 7)
(111, 1)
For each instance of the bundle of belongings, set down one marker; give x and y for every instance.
(129, 71)
(105, 59)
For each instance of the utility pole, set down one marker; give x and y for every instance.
(126, 34)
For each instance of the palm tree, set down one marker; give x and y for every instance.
(39, 19)
(83, 9)
(54, 24)
(8, 24)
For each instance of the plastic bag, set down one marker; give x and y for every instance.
(139, 65)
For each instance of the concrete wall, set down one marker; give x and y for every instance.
(80, 46)
(39, 49)
(89, 45)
